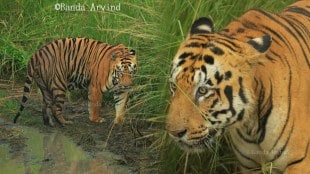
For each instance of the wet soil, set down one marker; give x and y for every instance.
(128, 144)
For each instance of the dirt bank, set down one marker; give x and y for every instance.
(130, 142)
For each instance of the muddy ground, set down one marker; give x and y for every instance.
(130, 141)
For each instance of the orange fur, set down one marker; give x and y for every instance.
(80, 63)
(252, 80)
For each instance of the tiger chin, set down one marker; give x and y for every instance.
(80, 63)
(197, 144)
(250, 79)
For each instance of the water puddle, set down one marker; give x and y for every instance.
(54, 153)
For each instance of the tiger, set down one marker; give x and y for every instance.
(80, 63)
(250, 82)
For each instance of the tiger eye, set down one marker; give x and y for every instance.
(202, 90)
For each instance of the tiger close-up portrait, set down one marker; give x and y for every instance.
(80, 63)
(249, 81)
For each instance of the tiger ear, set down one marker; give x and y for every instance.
(202, 25)
(261, 44)
(132, 52)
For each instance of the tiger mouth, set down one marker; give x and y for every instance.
(198, 145)
(121, 88)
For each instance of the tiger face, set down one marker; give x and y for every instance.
(210, 84)
(124, 66)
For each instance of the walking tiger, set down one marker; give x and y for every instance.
(80, 63)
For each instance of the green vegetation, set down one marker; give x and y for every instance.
(154, 28)
(9, 106)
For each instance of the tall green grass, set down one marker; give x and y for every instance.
(155, 28)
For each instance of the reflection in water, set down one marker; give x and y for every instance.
(54, 153)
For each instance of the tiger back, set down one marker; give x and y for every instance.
(250, 80)
(80, 63)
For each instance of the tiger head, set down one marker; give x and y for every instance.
(124, 66)
(211, 85)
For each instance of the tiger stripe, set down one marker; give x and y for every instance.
(79, 63)
(256, 76)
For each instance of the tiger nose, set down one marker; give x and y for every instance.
(178, 133)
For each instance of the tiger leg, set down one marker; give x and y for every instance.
(47, 107)
(59, 96)
(120, 99)
(94, 104)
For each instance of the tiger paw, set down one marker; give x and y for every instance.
(96, 119)
(118, 120)
(68, 122)
(63, 123)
